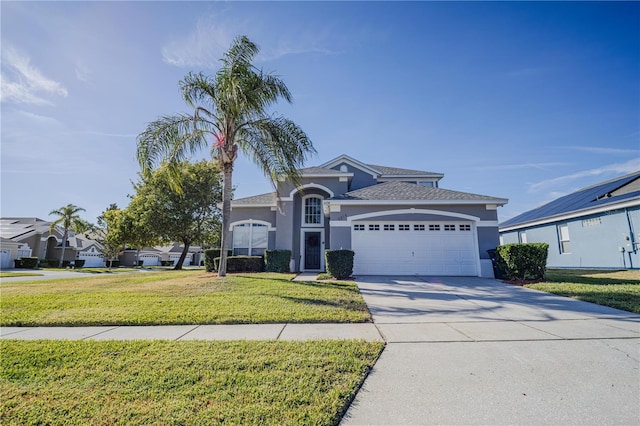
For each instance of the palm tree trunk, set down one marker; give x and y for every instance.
(227, 170)
(64, 245)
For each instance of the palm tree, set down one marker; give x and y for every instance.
(231, 112)
(69, 220)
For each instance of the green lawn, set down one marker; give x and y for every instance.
(617, 289)
(162, 382)
(179, 297)
(4, 274)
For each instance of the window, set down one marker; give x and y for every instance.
(390, 227)
(426, 183)
(312, 214)
(418, 227)
(250, 239)
(465, 227)
(374, 227)
(449, 227)
(522, 237)
(358, 227)
(594, 221)
(434, 227)
(404, 227)
(563, 237)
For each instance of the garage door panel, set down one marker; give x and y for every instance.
(441, 252)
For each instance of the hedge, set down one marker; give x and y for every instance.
(339, 263)
(26, 262)
(277, 260)
(78, 263)
(523, 261)
(209, 258)
(242, 263)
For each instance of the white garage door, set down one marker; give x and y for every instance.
(92, 260)
(409, 248)
(175, 258)
(150, 260)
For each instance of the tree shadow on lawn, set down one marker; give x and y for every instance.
(348, 304)
(580, 279)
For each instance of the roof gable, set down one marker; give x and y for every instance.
(594, 196)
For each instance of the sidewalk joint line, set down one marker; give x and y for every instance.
(281, 330)
(180, 337)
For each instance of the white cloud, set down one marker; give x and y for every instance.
(20, 82)
(82, 71)
(212, 36)
(610, 169)
(599, 150)
(540, 166)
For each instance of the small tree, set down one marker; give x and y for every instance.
(109, 233)
(188, 214)
(69, 220)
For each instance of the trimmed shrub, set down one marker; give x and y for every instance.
(277, 260)
(522, 261)
(242, 263)
(26, 262)
(114, 263)
(339, 263)
(209, 258)
(166, 263)
(79, 263)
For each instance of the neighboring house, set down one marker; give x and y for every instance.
(397, 221)
(152, 256)
(595, 227)
(35, 240)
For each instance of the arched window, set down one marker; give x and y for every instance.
(312, 211)
(250, 239)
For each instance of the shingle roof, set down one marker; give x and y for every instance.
(597, 195)
(385, 170)
(268, 198)
(319, 171)
(410, 191)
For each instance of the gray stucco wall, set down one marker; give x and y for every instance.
(331, 183)
(595, 240)
(360, 179)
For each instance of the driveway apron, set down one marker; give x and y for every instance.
(466, 350)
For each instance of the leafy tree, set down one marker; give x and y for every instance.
(188, 214)
(138, 232)
(69, 220)
(109, 233)
(231, 112)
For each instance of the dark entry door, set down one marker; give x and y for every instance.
(312, 250)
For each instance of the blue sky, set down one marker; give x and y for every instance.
(526, 101)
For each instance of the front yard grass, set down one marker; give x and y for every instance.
(4, 274)
(162, 382)
(617, 289)
(178, 297)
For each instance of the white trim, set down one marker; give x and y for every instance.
(252, 205)
(303, 211)
(573, 215)
(334, 207)
(388, 177)
(302, 253)
(354, 163)
(343, 179)
(270, 227)
(308, 185)
(327, 175)
(409, 211)
(498, 201)
(487, 224)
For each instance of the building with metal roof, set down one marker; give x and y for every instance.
(594, 227)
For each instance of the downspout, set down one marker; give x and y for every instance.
(633, 249)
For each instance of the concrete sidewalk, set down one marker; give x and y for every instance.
(364, 331)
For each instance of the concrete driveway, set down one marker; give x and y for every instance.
(476, 351)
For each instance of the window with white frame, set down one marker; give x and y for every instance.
(388, 227)
(312, 211)
(465, 227)
(374, 227)
(418, 227)
(404, 227)
(358, 227)
(434, 227)
(449, 227)
(427, 183)
(563, 237)
(250, 239)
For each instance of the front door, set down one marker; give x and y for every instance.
(312, 250)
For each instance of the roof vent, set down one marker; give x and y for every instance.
(344, 168)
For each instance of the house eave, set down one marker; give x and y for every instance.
(416, 176)
(497, 201)
(235, 206)
(332, 175)
(572, 215)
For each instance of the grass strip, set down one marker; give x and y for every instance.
(179, 297)
(616, 289)
(163, 382)
(19, 274)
